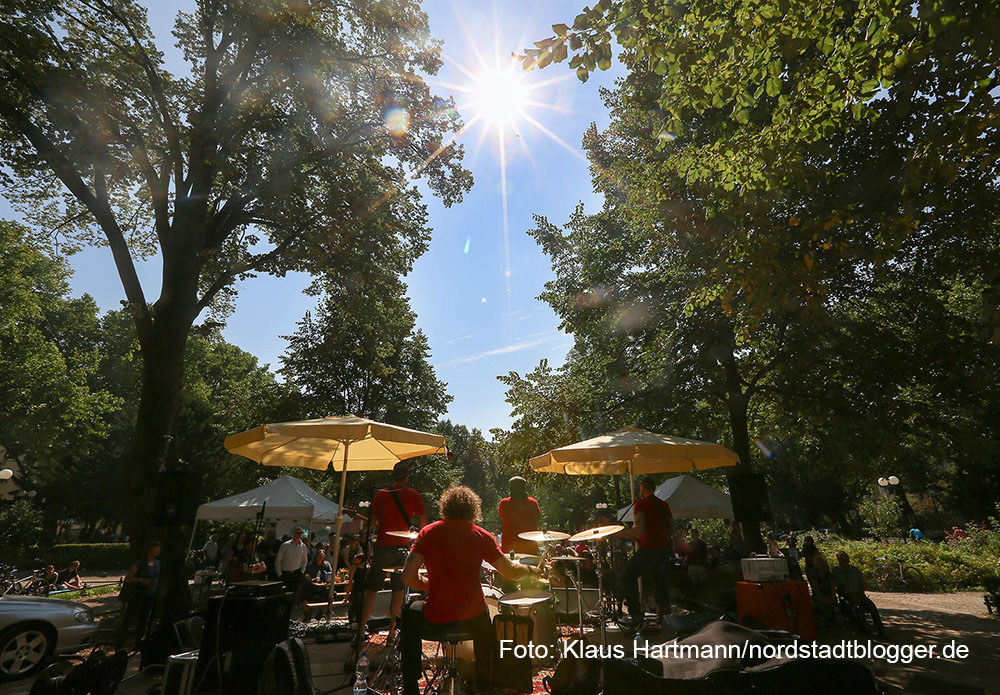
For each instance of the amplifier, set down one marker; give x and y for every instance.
(256, 587)
(777, 606)
(240, 631)
(179, 678)
(764, 569)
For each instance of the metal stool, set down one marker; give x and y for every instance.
(445, 680)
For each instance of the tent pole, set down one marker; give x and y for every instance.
(336, 542)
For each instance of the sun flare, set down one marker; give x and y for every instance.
(498, 96)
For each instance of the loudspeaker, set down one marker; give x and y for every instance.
(748, 493)
(240, 631)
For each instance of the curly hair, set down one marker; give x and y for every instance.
(460, 502)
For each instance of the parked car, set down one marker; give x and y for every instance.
(32, 630)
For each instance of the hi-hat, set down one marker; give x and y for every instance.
(593, 534)
(543, 536)
(411, 535)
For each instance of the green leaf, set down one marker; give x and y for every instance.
(773, 87)
(560, 29)
(582, 73)
(742, 116)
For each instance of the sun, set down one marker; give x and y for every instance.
(499, 95)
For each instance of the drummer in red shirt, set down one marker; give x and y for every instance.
(397, 508)
(518, 513)
(453, 550)
(654, 528)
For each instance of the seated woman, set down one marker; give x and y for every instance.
(316, 582)
(819, 577)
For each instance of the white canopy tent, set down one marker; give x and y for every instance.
(689, 498)
(288, 500)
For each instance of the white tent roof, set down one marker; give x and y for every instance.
(689, 498)
(287, 498)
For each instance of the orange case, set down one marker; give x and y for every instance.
(777, 606)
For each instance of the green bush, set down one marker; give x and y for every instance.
(881, 516)
(944, 567)
(20, 526)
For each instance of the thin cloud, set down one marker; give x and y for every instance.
(526, 343)
(458, 338)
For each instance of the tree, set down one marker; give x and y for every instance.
(271, 155)
(363, 355)
(905, 92)
(49, 350)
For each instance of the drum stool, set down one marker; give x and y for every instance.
(445, 679)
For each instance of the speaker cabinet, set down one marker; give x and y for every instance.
(240, 631)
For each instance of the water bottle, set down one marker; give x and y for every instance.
(361, 682)
(640, 647)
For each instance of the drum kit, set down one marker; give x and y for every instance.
(538, 604)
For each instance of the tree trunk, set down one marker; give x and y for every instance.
(152, 492)
(737, 403)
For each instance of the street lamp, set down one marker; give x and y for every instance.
(893, 486)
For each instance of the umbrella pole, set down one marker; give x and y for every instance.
(336, 542)
(631, 492)
(191, 542)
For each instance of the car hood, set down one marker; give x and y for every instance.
(51, 603)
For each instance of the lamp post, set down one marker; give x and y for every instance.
(893, 486)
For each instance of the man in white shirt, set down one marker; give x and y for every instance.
(211, 549)
(293, 555)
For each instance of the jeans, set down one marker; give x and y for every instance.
(646, 560)
(416, 627)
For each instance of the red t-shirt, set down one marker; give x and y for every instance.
(453, 553)
(657, 533)
(517, 516)
(385, 510)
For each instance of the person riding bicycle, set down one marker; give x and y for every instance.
(850, 585)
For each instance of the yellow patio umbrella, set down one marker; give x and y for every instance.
(636, 452)
(338, 444)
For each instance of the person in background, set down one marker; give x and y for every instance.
(291, 562)
(268, 550)
(356, 588)
(697, 561)
(237, 557)
(850, 585)
(50, 576)
(226, 553)
(518, 513)
(248, 563)
(916, 534)
(315, 581)
(957, 534)
(793, 547)
(772, 548)
(210, 551)
(69, 578)
(139, 594)
(819, 577)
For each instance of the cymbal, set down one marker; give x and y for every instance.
(411, 535)
(574, 558)
(390, 570)
(593, 534)
(543, 536)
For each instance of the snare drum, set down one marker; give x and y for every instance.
(538, 605)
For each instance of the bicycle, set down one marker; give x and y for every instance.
(10, 585)
(896, 575)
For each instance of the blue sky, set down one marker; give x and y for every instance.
(480, 322)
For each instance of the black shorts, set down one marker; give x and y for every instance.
(386, 556)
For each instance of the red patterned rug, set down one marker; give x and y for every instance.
(383, 674)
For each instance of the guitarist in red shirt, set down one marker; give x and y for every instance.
(398, 508)
(653, 528)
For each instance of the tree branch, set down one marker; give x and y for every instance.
(98, 208)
